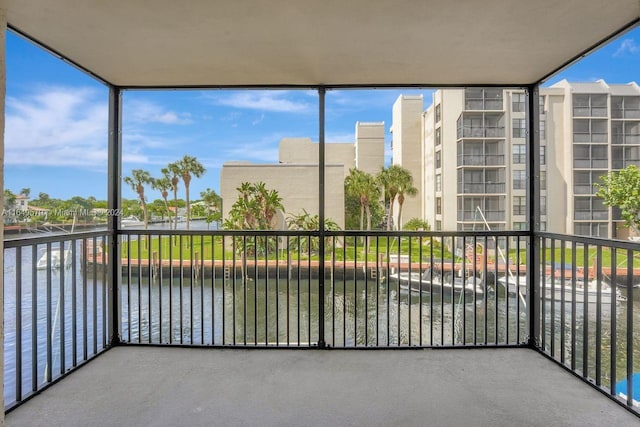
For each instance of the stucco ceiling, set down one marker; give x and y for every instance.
(316, 42)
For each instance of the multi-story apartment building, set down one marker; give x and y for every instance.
(474, 157)
(586, 130)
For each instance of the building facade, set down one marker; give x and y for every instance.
(295, 176)
(474, 156)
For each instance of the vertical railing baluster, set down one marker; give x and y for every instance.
(298, 295)
(85, 300)
(160, 277)
(453, 288)
(309, 340)
(630, 339)
(233, 284)
(139, 260)
(507, 276)
(255, 289)
(420, 272)
(598, 314)
(355, 291)
(431, 290)
(409, 329)
(129, 279)
(496, 332)
(191, 287)
(105, 290)
(278, 292)
(388, 262)
(517, 286)
(613, 352)
(49, 332)
(543, 292)
(171, 241)
(377, 291)
(201, 282)
(585, 323)
(398, 294)
(181, 287)
(475, 294)
(34, 318)
(266, 291)
(441, 290)
(61, 309)
(573, 303)
(95, 295)
(224, 285)
(552, 320)
(562, 300)
(149, 284)
(366, 290)
(74, 303)
(464, 289)
(18, 377)
(244, 288)
(288, 310)
(485, 266)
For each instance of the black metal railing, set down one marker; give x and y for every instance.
(381, 289)
(587, 320)
(55, 306)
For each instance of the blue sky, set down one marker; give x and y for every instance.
(56, 120)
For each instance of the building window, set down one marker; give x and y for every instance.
(438, 113)
(519, 225)
(482, 99)
(586, 105)
(590, 156)
(543, 129)
(438, 159)
(590, 208)
(543, 226)
(519, 128)
(543, 155)
(518, 101)
(590, 130)
(593, 229)
(541, 105)
(519, 205)
(519, 180)
(625, 107)
(438, 182)
(438, 206)
(543, 180)
(438, 136)
(438, 225)
(519, 153)
(543, 205)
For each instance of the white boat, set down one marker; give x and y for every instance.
(56, 261)
(555, 290)
(422, 282)
(515, 285)
(131, 221)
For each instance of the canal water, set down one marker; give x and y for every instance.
(274, 311)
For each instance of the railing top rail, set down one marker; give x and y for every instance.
(596, 241)
(294, 233)
(29, 241)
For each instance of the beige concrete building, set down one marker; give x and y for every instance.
(295, 177)
(474, 144)
(406, 149)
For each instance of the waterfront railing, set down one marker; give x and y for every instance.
(588, 316)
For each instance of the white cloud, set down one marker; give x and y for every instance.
(57, 126)
(264, 101)
(147, 112)
(628, 46)
(258, 120)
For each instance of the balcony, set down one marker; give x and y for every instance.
(240, 290)
(129, 314)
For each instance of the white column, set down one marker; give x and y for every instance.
(3, 80)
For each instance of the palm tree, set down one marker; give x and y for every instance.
(405, 186)
(364, 187)
(189, 167)
(137, 181)
(386, 178)
(163, 185)
(214, 204)
(173, 170)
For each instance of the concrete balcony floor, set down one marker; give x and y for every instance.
(152, 386)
